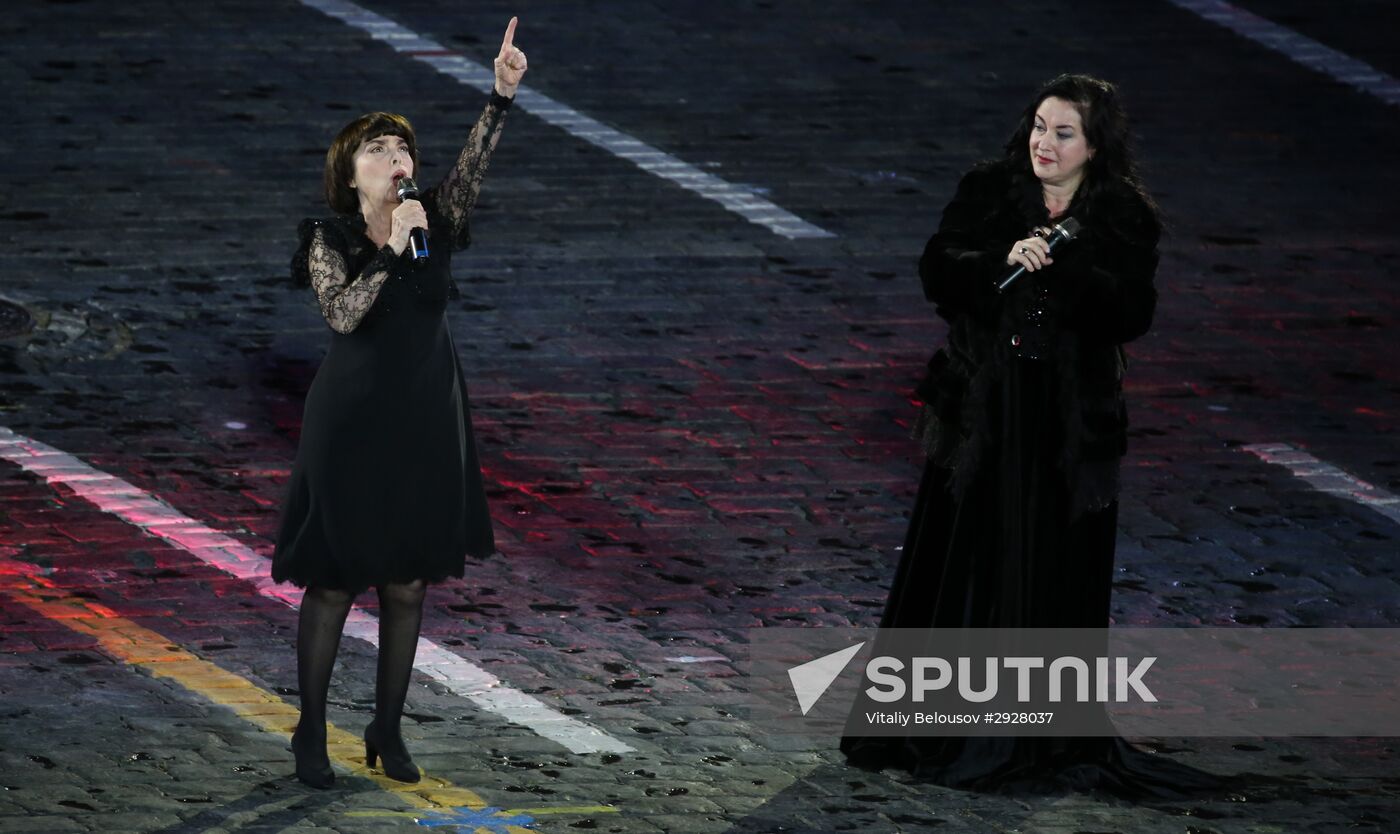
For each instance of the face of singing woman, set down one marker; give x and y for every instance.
(379, 164)
(1058, 148)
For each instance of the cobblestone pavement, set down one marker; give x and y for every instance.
(691, 426)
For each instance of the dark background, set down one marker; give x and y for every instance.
(690, 425)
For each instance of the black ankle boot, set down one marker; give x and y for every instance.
(313, 765)
(396, 765)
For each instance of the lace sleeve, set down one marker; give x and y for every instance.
(458, 190)
(345, 304)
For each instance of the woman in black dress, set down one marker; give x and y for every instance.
(386, 491)
(1024, 422)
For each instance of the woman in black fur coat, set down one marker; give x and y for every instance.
(1024, 422)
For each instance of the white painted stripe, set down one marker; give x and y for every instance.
(1300, 48)
(743, 201)
(134, 506)
(1324, 477)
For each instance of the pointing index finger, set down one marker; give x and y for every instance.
(509, 39)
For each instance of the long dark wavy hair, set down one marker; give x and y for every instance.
(1112, 166)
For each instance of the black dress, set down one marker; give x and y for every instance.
(1023, 423)
(387, 486)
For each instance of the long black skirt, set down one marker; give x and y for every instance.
(1009, 556)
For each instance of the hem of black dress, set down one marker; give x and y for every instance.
(1116, 768)
(362, 585)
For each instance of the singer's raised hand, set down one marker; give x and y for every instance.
(408, 215)
(510, 63)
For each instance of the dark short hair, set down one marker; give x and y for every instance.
(340, 158)
(1105, 129)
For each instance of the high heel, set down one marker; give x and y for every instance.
(395, 767)
(309, 771)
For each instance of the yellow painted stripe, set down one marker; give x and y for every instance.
(563, 809)
(151, 652)
(505, 812)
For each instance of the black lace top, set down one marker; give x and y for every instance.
(339, 261)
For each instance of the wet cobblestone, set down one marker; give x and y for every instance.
(691, 426)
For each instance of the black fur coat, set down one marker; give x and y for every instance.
(1099, 293)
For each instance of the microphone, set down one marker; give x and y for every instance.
(1063, 231)
(417, 238)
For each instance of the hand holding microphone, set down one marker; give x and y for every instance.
(410, 221)
(1034, 252)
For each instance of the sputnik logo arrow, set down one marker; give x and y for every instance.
(812, 678)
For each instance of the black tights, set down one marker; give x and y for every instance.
(400, 617)
(321, 620)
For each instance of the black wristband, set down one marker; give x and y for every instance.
(501, 101)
